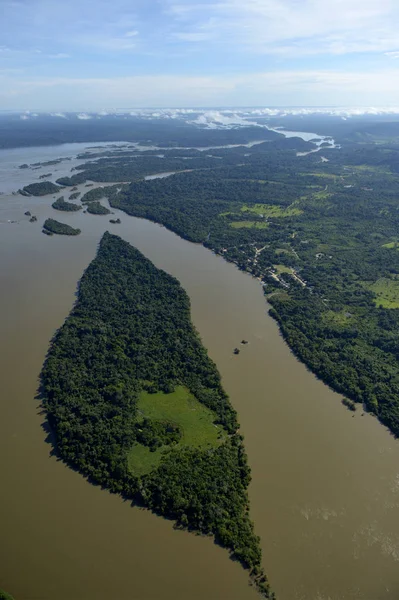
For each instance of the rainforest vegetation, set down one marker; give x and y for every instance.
(52, 226)
(40, 189)
(136, 404)
(322, 236)
(95, 208)
(62, 204)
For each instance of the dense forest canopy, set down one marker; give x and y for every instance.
(62, 204)
(95, 208)
(51, 226)
(136, 404)
(40, 189)
(321, 232)
(45, 130)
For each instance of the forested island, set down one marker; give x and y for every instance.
(40, 189)
(95, 208)
(136, 405)
(62, 204)
(51, 226)
(5, 596)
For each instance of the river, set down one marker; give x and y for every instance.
(325, 488)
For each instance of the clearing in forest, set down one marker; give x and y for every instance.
(387, 291)
(181, 409)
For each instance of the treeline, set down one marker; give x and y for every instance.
(130, 330)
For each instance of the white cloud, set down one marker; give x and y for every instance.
(295, 27)
(59, 55)
(132, 33)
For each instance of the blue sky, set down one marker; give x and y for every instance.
(104, 54)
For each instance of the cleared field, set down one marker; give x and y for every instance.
(181, 408)
(249, 224)
(282, 269)
(321, 175)
(272, 210)
(391, 245)
(387, 291)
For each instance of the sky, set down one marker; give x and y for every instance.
(75, 55)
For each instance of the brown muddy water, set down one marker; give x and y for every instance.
(325, 488)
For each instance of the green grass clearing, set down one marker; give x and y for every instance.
(322, 175)
(391, 245)
(371, 168)
(195, 420)
(272, 210)
(282, 269)
(249, 224)
(387, 291)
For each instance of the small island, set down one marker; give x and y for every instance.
(40, 189)
(94, 194)
(115, 221)
(61, 204)
(33, 219)
(236, 351)
(27, 213)
(74, 196)
(350, 404)
(95, 208)
(5, 596)
(52, 226)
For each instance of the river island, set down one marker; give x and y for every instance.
(136, 404)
